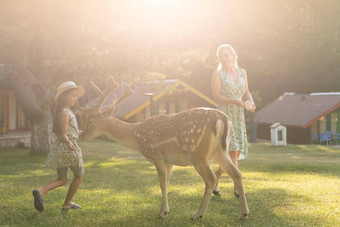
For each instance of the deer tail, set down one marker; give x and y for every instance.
(223, 131)
(219, 130)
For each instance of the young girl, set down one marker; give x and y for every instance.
(65, 152)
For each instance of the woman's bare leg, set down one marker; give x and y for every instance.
(218, 174)
(234, 157)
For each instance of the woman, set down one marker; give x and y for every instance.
(230, 90)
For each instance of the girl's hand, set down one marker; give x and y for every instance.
(80, 132)
(240, 103)
(71, 146)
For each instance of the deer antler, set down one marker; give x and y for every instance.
(127, 92)
(110, 86)
(97, 89)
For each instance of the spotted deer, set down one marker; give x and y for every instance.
(192, 137)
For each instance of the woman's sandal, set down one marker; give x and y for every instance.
(216, 192)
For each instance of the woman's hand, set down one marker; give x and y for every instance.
(254, 108)
(250, 106)
(80, 132)
(240, 103)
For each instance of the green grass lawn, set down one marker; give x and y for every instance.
(285, 186)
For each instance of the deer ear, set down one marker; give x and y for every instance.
(108, 112)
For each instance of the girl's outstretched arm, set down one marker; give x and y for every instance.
(64, 119)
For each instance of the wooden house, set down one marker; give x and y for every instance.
(157, 98)
(302, 114)
(14, 126)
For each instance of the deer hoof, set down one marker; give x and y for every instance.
(196, 216)
(244, 217)
(164, 214)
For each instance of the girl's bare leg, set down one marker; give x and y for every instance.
(50, 186)
(72, 191)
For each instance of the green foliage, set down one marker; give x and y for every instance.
(285, 186)
(284, 45)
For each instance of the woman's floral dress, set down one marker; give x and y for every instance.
(60, 156)
(235, 90)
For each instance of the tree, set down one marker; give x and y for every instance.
(34, 100)
(284, 45)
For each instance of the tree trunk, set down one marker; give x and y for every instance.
(35, 102)
(42, 134)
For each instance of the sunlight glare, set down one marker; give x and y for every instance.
(161, 3)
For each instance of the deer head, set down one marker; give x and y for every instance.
(98, 114)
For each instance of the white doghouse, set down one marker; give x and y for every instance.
(278, 135)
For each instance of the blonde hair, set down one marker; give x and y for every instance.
(231, 50)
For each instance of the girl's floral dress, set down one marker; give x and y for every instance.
(60, 156)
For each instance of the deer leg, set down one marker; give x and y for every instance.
(169, 173)
(203, 168)
(224, 161)
(218, 174)
(162, 170)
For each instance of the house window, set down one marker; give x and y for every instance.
(279, 135)
(16, 118)
(183, 105)
(22, 122)
(2, 110)
(172, 107)
(334, 122)
(323, 125)
(314, 129)
(12, 110)
(161, 108)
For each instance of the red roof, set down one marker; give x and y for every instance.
(299, 110)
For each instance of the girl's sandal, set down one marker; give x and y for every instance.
(73, 207)
(38, 201)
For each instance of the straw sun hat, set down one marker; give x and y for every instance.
(68, 85)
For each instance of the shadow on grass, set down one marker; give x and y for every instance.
(113, 172)
(291, 167)
(141, 209)
(310, 159)
(125, 192)
(223, 210)
(15, 161)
